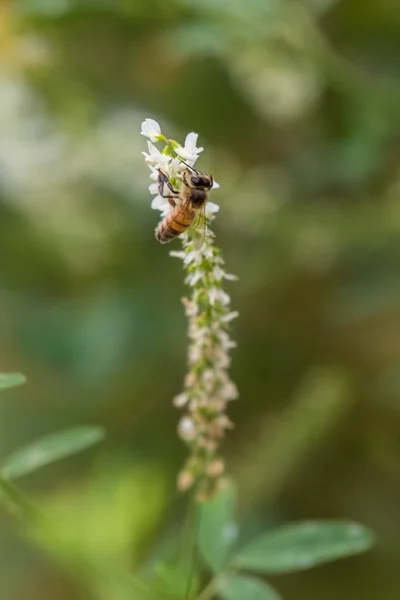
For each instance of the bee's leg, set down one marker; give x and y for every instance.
(162, 178)
(170, 200)
(185, 180)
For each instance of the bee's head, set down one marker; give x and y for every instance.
(197, 179)
(201, 180)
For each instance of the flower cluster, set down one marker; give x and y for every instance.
(207, 386)
(169, 162)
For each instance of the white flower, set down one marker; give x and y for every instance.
(189, 152)
(217, 295)
(187, 429)
(156, 159)
(225, 340)
(207, 385)
(211, 208)
(152, 130)
(230, 277)
(177, 254)
(190, 256)
(161, 204)
(230, 316)
(180, 400)
(229, 391)
(194, 278)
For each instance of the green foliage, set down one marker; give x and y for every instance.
(50, 448)
(218, 529)
(303, 545)
(10, 380)
(288, 549)
(240, 587)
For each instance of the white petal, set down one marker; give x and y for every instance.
(218, 273)
(190, 152)
(213, 294)
(153, 188)
(166, 209)
(230, 391)
(187, 429)
(193, 278)
(188, 155)
(230, 277)
(215, 186)
(151, 129)
(212, 208)
(156, 158)
(154, 173)
(180, 400)
(224, 298)
(177, 254)
(158, 203)
(153, 151)
(190, 256)
(191, 141)
(230, 316)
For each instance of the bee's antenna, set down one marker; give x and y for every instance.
(189, 167)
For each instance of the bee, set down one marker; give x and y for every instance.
(190, 212)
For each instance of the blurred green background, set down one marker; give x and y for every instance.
(297, 106)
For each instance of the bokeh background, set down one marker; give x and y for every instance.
(297, 104)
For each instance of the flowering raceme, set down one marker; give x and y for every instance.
(207, 386)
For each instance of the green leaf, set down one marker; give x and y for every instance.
(10, 380)
(50, 448)
(218, 529)
(304, 545)
(245, 587)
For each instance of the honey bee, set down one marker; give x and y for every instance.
(190, 212)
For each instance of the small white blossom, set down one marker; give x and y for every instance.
(177, 254)
(230, 391)
(190, 257)
(152, 130)
(155, 158)
(180, 400)
(187, 429)
(190, 152)
(195, 277)
(230, 316)
(218, 295)
(230, 277)
(211, 208)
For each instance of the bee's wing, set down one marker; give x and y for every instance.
(198, 228)
(184, 210)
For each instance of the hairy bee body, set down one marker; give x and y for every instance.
(178, 220)
(193, 196)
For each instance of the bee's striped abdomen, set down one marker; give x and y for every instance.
(173, 225)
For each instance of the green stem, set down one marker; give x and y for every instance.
(192, 527)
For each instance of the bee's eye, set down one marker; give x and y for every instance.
(195, 180)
